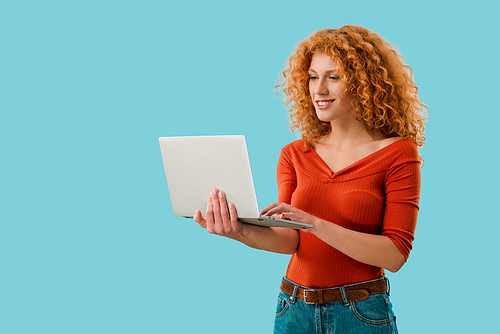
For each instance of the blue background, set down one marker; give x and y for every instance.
(88, 240)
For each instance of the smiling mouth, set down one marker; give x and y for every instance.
(324, 103)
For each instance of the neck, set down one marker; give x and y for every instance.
(346, 135)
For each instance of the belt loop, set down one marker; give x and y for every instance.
(344, 296)
(293, 298)
(388, 286)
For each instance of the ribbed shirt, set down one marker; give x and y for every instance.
(378, 194)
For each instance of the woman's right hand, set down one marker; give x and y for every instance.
(220, 218)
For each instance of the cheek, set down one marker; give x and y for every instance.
(346, 100)
(346, 95)
(312, 84)
(346, 103)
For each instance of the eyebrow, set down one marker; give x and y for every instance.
(327, 72)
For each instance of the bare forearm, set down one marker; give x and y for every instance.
(272, 239)
(375, 250)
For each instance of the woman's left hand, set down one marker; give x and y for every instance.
(286, 211)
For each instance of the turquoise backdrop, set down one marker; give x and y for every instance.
(88, 240)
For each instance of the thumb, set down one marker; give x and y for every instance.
(199, 219)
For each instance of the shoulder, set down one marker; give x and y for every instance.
(295, 147)
(294, 150)
(403, 176)
(403, 151)
(402, 159)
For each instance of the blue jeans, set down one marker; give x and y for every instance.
(373, 315)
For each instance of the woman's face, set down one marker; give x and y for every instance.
(330, 98)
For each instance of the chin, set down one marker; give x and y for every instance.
(324, 119)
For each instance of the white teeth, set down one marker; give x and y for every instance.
(324, 103)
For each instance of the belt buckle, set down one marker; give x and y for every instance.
(305, 295)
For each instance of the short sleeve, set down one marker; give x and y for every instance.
(402, 201)
(287, 178)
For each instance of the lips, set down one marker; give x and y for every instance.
(324, 103)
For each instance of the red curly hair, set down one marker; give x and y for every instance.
(384, 95)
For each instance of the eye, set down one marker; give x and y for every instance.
(312, 77)
(334, 78)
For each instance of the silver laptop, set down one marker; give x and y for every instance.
(194, 166)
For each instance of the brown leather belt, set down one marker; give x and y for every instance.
(353, 292)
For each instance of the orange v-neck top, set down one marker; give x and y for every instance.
(378, 194)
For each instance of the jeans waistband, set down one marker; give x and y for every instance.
(346, 293)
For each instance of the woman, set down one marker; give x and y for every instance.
(354, 176)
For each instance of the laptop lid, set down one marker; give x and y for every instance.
(195, 165)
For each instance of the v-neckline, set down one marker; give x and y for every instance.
(355, 162)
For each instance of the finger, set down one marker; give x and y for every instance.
(265, 211)
(224, 210)
(210, 215)
(235, 223)
(218, 226)
(279, 208)
(302, 218)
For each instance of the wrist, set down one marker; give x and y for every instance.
(240, 235)
(318, 226)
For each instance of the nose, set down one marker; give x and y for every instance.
(321, 88)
